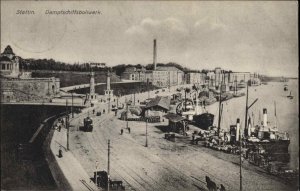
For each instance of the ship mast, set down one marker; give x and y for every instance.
(275, 114)
(220, 101)
(245, 133)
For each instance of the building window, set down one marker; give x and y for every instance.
(3, 66)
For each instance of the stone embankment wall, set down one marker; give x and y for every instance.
(56, 172)
(31, 89)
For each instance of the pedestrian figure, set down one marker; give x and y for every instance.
(93, 111)
(60, 153)
(121, 131)
(207, 179)
(222, 188)
(116, 112)
(129, 130)
(103, 111)
(211, 185)
(193, 138)
(59, 128)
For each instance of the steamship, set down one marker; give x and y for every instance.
(267, 141)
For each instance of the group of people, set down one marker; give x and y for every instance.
(212, 186)
(59, 124)
(122, 130)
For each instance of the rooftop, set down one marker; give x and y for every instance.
(174, 117)
(163, 102)
(8, 50)
(169, 68)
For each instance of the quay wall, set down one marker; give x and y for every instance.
(56, 172)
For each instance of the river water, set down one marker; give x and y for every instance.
(287, 111)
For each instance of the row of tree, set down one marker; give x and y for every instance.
(51, 64)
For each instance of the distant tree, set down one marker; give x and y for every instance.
(149, 67)
(119, 69)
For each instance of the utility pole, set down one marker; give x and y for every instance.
(219, 120)
(148, 88)
(96, 174)
(220, 102)
(185, 99)
(67, 124)
(117, 101)
(241, 183)
(126, 115)
(246, 116)
(108, 163)
(68, 131)
(72, 111)
(146, 145)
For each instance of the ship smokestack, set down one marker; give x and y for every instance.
(154, 54)
(237, 129)
(265, 122)
(249, 127)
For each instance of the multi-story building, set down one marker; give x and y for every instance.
(129, 74)
(165, 76)
(218, 76)
(133, 73)
(98, 65)
(149, 76)
(211, 78)
(239, 77)
(195, 78)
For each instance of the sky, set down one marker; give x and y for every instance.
(254, 36)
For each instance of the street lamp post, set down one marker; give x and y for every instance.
(67, 124)
(72, 111)
(96, 174)
(146, 145)
(108, 164)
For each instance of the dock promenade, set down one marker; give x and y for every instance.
(76, 176)
(74, 173)
(152, 163)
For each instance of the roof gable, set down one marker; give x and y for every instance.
(8, 50)
(163, 102)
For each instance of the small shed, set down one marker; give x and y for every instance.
(177, 123)
(159, 103)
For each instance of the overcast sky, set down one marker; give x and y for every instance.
(240, 36)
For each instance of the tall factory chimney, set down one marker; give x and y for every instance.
(154, 54)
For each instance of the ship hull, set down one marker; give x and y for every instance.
(277, 150)
(204, 121)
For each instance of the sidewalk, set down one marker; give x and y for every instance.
(70, 167)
